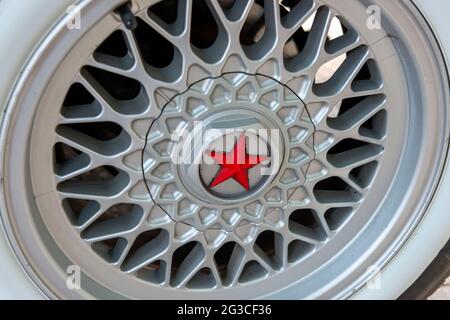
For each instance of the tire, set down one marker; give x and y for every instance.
(431, 279)
(44, 236)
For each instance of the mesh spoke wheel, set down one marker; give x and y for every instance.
(141, 225)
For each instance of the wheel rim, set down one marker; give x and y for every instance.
(105, 169)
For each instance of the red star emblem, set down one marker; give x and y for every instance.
(235, 164)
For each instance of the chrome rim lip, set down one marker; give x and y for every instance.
(3, 136)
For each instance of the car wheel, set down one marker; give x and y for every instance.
(106, 133)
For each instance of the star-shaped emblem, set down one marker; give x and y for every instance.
(235, 164)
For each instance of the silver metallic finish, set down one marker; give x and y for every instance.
(361, 135)
(254, 103)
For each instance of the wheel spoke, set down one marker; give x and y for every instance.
(256, 65)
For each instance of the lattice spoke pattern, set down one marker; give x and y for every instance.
(134, 75)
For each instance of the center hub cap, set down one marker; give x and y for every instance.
(227, 155)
